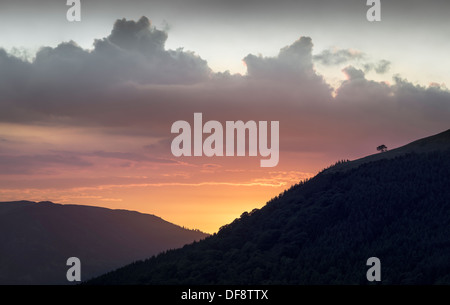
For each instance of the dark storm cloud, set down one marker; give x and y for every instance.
(293, 60)
(129, 84)
(353, 73)
(68, 81)
(138, 36)
(381, 67)
(336, 57)
(12, 73)
(135, 51)
(399, 106)
(293, 66)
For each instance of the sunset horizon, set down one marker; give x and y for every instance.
(93, 125)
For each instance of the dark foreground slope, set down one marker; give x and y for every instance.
(324, 230)
(36, 239)
(438, 142)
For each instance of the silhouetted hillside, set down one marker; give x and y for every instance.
(323, 231)
(438, 142)
(37, 238)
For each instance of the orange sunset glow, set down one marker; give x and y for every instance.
(93, 126)
(203, 193)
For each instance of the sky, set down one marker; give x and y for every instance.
(86, 108)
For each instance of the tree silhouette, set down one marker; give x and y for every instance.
(382, 148)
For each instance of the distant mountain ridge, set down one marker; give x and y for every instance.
(394, 206)
(37, 238)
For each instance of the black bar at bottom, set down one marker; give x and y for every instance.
(221, 294)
